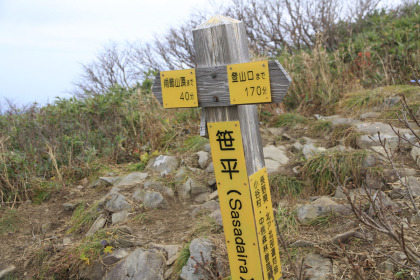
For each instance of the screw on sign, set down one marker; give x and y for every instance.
(226, 85)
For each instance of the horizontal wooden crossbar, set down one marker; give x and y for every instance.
(213, 86)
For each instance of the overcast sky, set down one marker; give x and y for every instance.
(44, 42)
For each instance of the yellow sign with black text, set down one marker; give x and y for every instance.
(179, 88)
(249, 82)
(267, 237)
(235, 200)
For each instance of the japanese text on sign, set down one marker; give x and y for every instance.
(267, 237)
(235, 200)
(179, 88)
(249, 82)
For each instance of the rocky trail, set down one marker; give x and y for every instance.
(135, 225)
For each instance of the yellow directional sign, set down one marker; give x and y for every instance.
(235, 200)
(267, 237)
(179, 88)
(249, 82)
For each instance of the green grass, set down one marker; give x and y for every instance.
(138, 166)
(323, 169)
(368, 98)
(321, 221)
(90, 247)
(83, 217)
(287, 221)
(10, 221)
(286, 185)
(44, 192)
(321, 127)
(205, 226)
(345, 134)
(290, 120)
(363, 99)
(194, 143)
(181, 261)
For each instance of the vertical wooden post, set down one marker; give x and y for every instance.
(218, 42)
(221, 41)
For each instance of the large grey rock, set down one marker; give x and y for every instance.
(132, 179)
(276, 153)
(111, 180)
(317, 267)
(70, 206)
(191, 188)
(369, 161)
(309, 151)
(97, 225)
(138, 195)
(217, 216)
(152, 200)
(119, 217)
(272, 165)
(198, 188)
(169, 251)
(184, 190)
(97, 270)
(369, 115)
(197, 246)
(296, 147)
(104, 182)
(336, 121)
(392, 140)
(164, 164)
(180, 176)
(320, 207)
(203, 158)
(117, 202)
(142, 264)
(211, 205)
(159, 186)
(210, 168)
(201, 198)
(374, 127)
(207, 148)
(276, 131)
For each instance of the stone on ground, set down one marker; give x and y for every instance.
(197, 246)
(321, 207)
(276, 153)
(119, 217)
(97, 225)
(309, 151)
(152, 200)
(164, 164)
(117, 202)
(211, 205)
(142, 264)
(317, 267)
(132, 179)
(159, 186)
(203, 158)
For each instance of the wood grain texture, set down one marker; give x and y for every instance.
(216, 46)
(213, 86)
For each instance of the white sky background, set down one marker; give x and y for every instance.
(44, 42)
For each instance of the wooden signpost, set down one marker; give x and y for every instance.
(223, 81)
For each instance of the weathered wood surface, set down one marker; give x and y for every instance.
(213, 86)
(219, 42)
